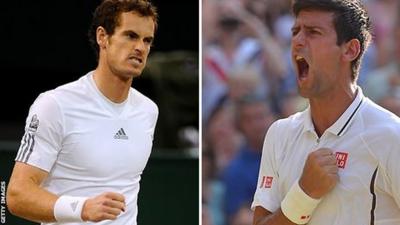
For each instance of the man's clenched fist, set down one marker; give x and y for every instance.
(106, 206)
(320, 173)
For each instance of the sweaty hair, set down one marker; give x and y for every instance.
(107, 15)
(351, 21)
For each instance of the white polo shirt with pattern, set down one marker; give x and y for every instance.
(88, 144)
(366, 141)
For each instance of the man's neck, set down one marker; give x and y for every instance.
(115, 88)
(326, 110)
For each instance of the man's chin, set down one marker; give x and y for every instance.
(135, 72)
(128, 75)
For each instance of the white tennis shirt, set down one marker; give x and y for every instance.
(366, 139)
(88, 144)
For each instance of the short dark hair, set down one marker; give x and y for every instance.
(351, 21)
(107, 15)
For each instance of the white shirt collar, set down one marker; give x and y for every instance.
(341, 125)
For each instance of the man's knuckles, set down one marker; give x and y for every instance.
(104, 216)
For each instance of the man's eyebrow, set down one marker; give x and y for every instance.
(313, 27)
(137, 35)
(309, 27)
(130, 32)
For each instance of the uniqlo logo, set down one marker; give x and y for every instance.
(266, 182)
(341, 158)
(305, 217)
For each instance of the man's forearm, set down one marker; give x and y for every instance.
(276, 218)
(31, 202)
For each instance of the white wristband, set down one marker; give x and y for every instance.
(297, 206)
(69, 209)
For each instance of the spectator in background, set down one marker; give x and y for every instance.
(383, 13)
(209, 21)
(385, 80)
(212, 189)
(256, 31)
(218, 59)
(205, 215)
(391, 103)
(243, 41)
(221, 136)
(244, 216)
(253, 117)
(243, 82)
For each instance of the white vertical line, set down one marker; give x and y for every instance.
(200, 61)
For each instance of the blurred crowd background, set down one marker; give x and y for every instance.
(248, 82)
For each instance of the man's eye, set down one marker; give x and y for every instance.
(131, 36)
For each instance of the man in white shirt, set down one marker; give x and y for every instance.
(86, 143)
(336, 163)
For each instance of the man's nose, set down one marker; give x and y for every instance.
(298, 40)
(140, 46)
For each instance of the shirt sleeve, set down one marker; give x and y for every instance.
(267, 192)
(154, 118)
(43, 136)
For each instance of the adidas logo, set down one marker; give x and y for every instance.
(73, 206)
(121, 134)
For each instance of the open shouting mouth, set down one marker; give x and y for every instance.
(302, 67)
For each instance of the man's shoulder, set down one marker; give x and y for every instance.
(76, 86)
(380, 130)
(379, 120)
(66, 94)
(290, 124)
(147, 103)
(375, 115)
(62, 90)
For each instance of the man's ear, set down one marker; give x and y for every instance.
(101, 37)
(351, 50)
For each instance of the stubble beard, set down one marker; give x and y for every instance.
(126, 74)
